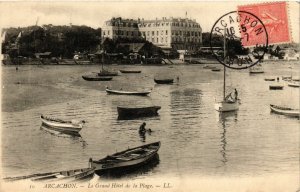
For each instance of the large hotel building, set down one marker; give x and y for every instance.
(176, 33)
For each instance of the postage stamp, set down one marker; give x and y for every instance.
(274, 17)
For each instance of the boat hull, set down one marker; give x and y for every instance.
(294, 84)
(120, 92)
(285, 111)
(128, 71)
(96, 78)
(275, 87)
(164, 81)
(61, 127)
(225, 107)
(107, 73)
(129, 113)
(117, 166)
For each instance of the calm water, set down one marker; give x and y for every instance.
(196, 140)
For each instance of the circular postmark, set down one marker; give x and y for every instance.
(239, 40)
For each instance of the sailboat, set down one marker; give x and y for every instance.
(104, 72)
(228, 103)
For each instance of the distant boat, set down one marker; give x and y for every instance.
(286, 78)
(276, 87)
(69, 127)
(66, 176)
(215, 69)
(96, 78)
(107, 73)
(294, 84)
(285, 111)
(126, 160)
(130, 71)
(163, 81)
(133, 112)
(269, 79)
(256, 69)
(121, 92)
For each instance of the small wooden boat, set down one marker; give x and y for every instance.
(163, 81)
(225, 106)
(70, 175)
(107, 73)
(130, 71)
(269, 79)
(96, 78)
(285, 111)
(294, 83)
(256, 69)
(286, 78)
(63, 126)
(215, 69)
(126, 160)
(121, 92)
(276, 87)
(134, 112)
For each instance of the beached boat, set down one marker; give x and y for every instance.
(163, 81)
(121, 92)
(134, 112)
(96, 78)
(62, 125)
(294, 84)
(285, 111)
(126, 160)
(276, 87)
(130, 71)
(65, 176)
(256, 69)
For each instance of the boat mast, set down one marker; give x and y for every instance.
(224, 80)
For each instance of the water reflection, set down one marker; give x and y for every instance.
(143, 169)
(223, 119)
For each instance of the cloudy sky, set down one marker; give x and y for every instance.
(93, 14)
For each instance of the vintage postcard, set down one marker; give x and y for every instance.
(168, 96)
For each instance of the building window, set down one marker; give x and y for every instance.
(166, 39)
(157, 39)
(162, 32)
(103, 32)
(157, 33)
(148, 33)
(152, 33)
(166, 32)
(162, 40)
(107, 32)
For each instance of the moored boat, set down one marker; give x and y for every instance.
(107, 73)
(294, 84)
(96, 78)
(276, 87)
(62, 125)
(134, 112)
(121, 92)
(126, 160)
(269, 79)
(163, 81)
(285, 111)
(130, 71)
(215, 69)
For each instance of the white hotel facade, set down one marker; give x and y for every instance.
(176, 33)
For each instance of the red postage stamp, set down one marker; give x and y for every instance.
(273, 16)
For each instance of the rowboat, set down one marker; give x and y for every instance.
(269, 79)
(133, 112)
(121, 92)
(276, 87)
(69, 127)
(96, 78)
(65, 176)
(215, 69)
(285, 111)
(294, 84)
(126, 160)
(163, 81)
(107, 73)
(130, 71)
(256, 69)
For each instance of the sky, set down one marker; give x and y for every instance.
(93, 14)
